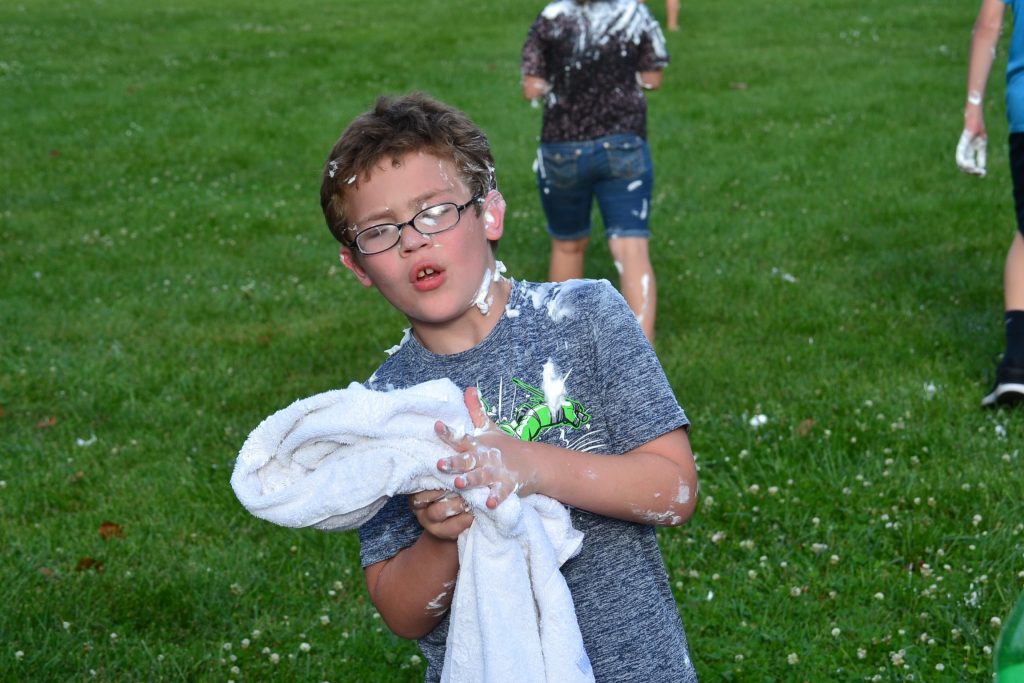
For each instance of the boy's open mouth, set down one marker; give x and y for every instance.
(425, 278)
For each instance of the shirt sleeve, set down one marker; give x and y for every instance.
(638, 400)
(653, 49)
(532, 61)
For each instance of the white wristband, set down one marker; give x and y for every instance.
(974, 97)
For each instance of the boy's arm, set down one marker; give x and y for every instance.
(413, 589)
(655, 483)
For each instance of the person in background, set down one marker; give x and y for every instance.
(590, 62)
(970, 157)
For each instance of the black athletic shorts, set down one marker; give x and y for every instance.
(1017, 173)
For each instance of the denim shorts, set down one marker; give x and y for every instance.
(616, 169)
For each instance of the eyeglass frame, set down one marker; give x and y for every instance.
(411, 223)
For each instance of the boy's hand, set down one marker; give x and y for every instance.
(443, 514)
(479, 457)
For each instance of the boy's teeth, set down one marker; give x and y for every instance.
(425, 272)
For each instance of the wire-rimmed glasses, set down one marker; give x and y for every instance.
(429, 221)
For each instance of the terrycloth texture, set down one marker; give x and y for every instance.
(330, 462)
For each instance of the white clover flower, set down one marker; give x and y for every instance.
(759, 420)
(793, 658)
(862, 653)
(836, 632)
(18, 655)
(818, 548)
(879, 596)
(996, 622)
(274, 658)
(940, 667)
(718, 537)
(245, 642)
(227, 647)
(324, 619)
(304, 647)
(414, 660)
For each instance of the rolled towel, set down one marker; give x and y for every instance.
(332, 460)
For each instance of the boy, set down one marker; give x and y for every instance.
(568, 398)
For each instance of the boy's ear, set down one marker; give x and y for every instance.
(351, 261)
(494, 215)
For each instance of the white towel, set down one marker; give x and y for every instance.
(332, 460)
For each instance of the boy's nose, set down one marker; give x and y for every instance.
(411, 239)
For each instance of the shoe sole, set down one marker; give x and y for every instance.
(1004, 395)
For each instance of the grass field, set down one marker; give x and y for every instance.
(166, 281)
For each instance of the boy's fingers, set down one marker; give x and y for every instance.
(458, 463)
(423, 499)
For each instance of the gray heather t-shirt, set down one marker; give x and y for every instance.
(616, 398)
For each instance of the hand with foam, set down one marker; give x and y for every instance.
(479, 459)
(970, 153)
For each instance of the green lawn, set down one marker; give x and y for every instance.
(166, 281)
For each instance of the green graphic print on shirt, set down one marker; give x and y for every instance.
(534, 416)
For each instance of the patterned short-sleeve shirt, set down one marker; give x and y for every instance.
(615, 398)
(591, 53)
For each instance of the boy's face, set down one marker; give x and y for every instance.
(432, 279)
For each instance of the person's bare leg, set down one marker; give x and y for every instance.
(636, 279)
(567, 259)
(1013, 275)
(672, 14)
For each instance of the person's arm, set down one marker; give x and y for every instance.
(535, 87)
(413, 589)
(655, 483)
(649, 80)
(983, 46)
(970, 152)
